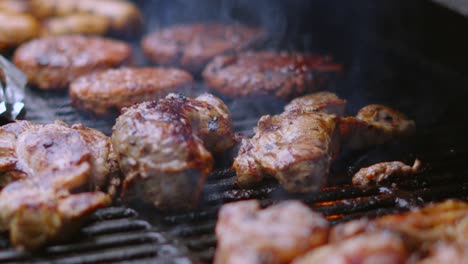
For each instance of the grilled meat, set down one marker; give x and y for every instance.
(106, 92)
(437, 230)
(378, 247)
(326, 102)
(381, 171)
(446, 253)
(15, 6)
(284, 75)
(163, 148)
(75, 24)
(248, 234)
(16, 28)
(295, 147)
(51, 165)
(373, 125)
(53, 62)
(42, 209)
(192, 46)
(123, 17)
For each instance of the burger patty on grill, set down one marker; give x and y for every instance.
(53, 62)
(192, 46)
(163, 148)
(108, 91)
(281, 74)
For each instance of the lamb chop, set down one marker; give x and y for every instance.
(164, 148)
(56, 175)
(248, 234)
(298, 146)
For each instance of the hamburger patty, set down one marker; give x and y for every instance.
(284, 75)
(53, 62)
(192, 46)
(106, 92)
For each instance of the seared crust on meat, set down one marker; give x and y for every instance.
(53, 62)
(123, 17)
(326, 102)
(106, 92)
(49, 164)
(375, 124)
(16, 28)
(192, 46)
(281, 74)
(277, 234)
(295, 147)
(381, 171)
(163, 148)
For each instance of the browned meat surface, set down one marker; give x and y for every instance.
(53, 62)
(378, 247)
(374, 124)
(295, 147)
(75, 24)
(192, 46)
(381, 171)
(281, 74)
(123, 17)
(326, 102)
(447, 253)
(431, 233)
(52, 165)
(248, 234)
(163, 148)
(15, 6)
(106, 92)
(16, 28)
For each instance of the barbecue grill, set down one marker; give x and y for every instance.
(382, 45)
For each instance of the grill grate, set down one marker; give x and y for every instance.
(114, 234)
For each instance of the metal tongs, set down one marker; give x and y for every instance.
(13, 85)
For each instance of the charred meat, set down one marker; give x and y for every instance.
(193, 46)
(164, 148)
(248, 234)
(280, 74)
(381, 171)
(48, 167)
(106, 92)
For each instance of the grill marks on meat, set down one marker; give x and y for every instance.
(106, 92)
(192, 46)
(164, 148)
(54, 162)
(381, 171)
(295, 147)
(53, 62)
(281, 74)
(248, 234)
(298, 146)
